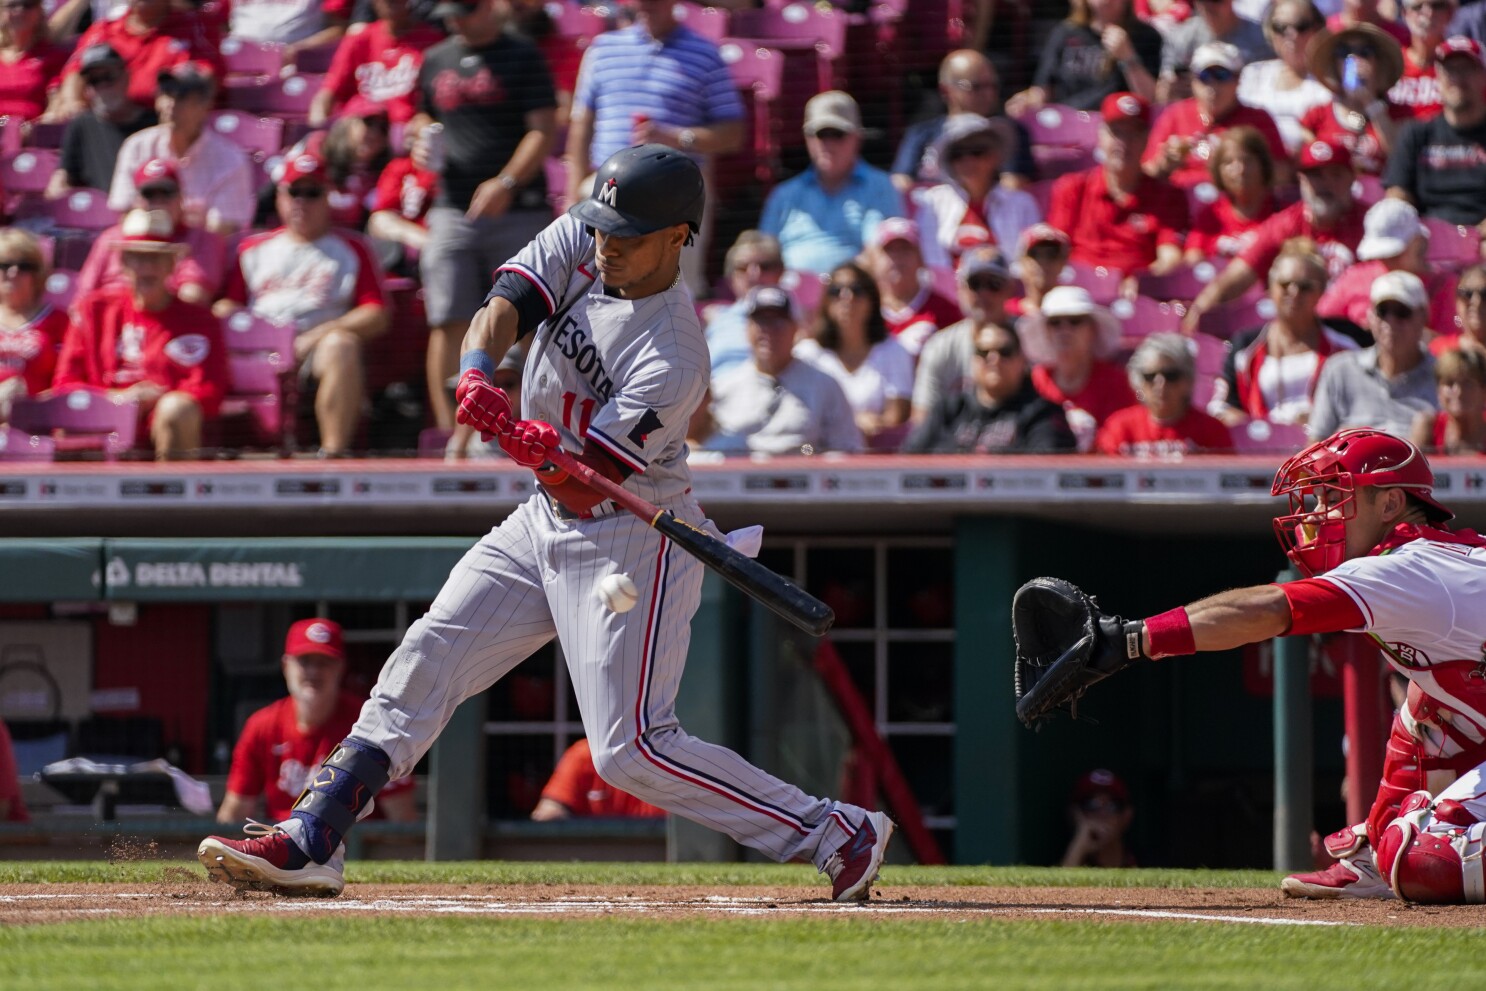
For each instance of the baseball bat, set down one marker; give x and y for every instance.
(776, 592)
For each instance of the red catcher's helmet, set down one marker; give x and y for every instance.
(1322, 483)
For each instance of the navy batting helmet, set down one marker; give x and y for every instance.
(641, 190)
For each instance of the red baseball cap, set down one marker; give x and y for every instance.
(316, 636)
(1458, 45)
(157, 172)
(1100, 781)
(305, 165)
(1124, 106)
(1320, 154)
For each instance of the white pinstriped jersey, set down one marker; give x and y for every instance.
(1425, 603)
(626, 374)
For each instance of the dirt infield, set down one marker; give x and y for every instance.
(181, 891)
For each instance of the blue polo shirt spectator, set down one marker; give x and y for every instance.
(825, 215)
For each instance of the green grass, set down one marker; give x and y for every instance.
(856, 949)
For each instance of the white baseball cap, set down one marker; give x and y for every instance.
(1388, 228)
(1217, 53)
(1068, 301)
(1400, 287)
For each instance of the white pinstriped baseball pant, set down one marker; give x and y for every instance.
(534, 577)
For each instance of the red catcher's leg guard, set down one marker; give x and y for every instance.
(1345, 841)
(1442, 867)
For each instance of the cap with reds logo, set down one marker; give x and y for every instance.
(315, 636)
(1124, 106)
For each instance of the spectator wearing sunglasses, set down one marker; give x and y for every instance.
(93, 137)
(1387, 385)
(215, 174)
(984, 287)
(1393, 239)
(1182, 140)
(197, 276)
(1114, 214)
(149, 38)
(1355, 12)
(1428, 21)
(1360, 117)
(1460, 425)
(1270, 372)
(1242, 171)
(911, 308)
(753, 260)
(1439, 165)
(1216, 20)
(849, 342)
(326, 283)
(1071, 341)
(1100, 811)
(998, 412)
(1284, 85)
(31, 329)
(30, 65)
(1041, 257)
(1164, 423)
(971, 206)
(1467, 329)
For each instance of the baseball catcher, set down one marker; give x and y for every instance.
(1364, 528)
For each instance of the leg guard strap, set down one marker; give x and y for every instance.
(342, 787)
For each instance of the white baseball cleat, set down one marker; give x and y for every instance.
(856, 863)
(1350, 877)
(270, 861)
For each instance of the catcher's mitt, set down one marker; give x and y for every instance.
(1064, 644)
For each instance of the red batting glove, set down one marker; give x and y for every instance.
(529, 442)
(482, 405)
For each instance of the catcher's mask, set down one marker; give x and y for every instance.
(1322, 482)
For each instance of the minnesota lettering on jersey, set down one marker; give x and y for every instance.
(572, 341)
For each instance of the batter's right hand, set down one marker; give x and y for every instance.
(529, 442)
(482, 405)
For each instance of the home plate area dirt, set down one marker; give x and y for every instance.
(182, 891)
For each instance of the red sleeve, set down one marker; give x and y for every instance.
(1315, 118)
(1262, 251)
(341, 79)
(337, 8)
(249, 773)
(76, 365)
(1210, 433)
(368, 277)
(1318, 606)
(205, 263)
(207, 382)
(92, 36)
(1171, 211)
(1206, 229)
(389, 185)
(1063, 205)
(570, 779)
(1112, 432)
(1160, 131)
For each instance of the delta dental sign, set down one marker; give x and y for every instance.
(199, 574)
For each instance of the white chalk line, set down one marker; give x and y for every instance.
(471, 904)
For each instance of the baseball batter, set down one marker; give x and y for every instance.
(616, 365)
(1366, 530)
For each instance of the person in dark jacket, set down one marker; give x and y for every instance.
(999, 413)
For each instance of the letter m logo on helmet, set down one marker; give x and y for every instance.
(609, 193)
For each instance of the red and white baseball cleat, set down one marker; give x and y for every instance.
(855, 865)
(270, 861)
(1350, 877)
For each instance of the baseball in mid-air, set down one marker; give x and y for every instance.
(618, 592)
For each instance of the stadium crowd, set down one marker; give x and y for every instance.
(265, 224)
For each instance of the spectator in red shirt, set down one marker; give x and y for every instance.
(376, 68)
(12, 806)
(399, 212)
(911, 307)
(575, 789)
(1242, 172)
(198, 273)
(1393, 238)
(1428, 21)
(355, 150)
(1115, 214)
(1467, 330)
(1042, 254)
(282, 743)
(1164, 424)
(1326, 213)
(139, 342)
(1355, 12)
(30, 65)
(1361, 118)
(148, 39)
(1459, 427)
(1182, 141)
(1070, 341)
(324, 281)
(31, 329)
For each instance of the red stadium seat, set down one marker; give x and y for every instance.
(1183, 283)
(45, 134)
(81, 209)
(809, 40)
(709, 22)
(17, 445)
(29, 170)
(316, 60)
(250, 132)
(1368, 189)
(61, 288)
(88, 419)
(289, 97)
(1102, 283)
(1264, 437)
(1241, 314)
(1143, 316)
(255, 59)
(805, 287)
(1209, 353)
(261, 394)
(1452, 246)
(759, 73)
(1061, 127)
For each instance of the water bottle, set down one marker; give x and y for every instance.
(1350, 80)
(433, 142)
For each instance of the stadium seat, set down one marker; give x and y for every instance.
(1102, 283)
(709, 22)
(29, 170)
(805, 287)
(1183, 283)
(1143, 316)
(1452, 246)
(254, 59)
(61, 288)
(1264, 437)
(250, 132)
(1241, 314)
(70, 249)
(1367, 190)
(315, 60)
(81, 209)
(261, 383)
(797, 27)
(88, 419)
(759, 73)
(1209, 353)
(18, 445)
(1058, 126)
(45, 134)
(288, 98)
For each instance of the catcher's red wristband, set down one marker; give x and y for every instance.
(1170, 634)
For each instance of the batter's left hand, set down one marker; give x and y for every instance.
(482, 405)
(529, 442)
